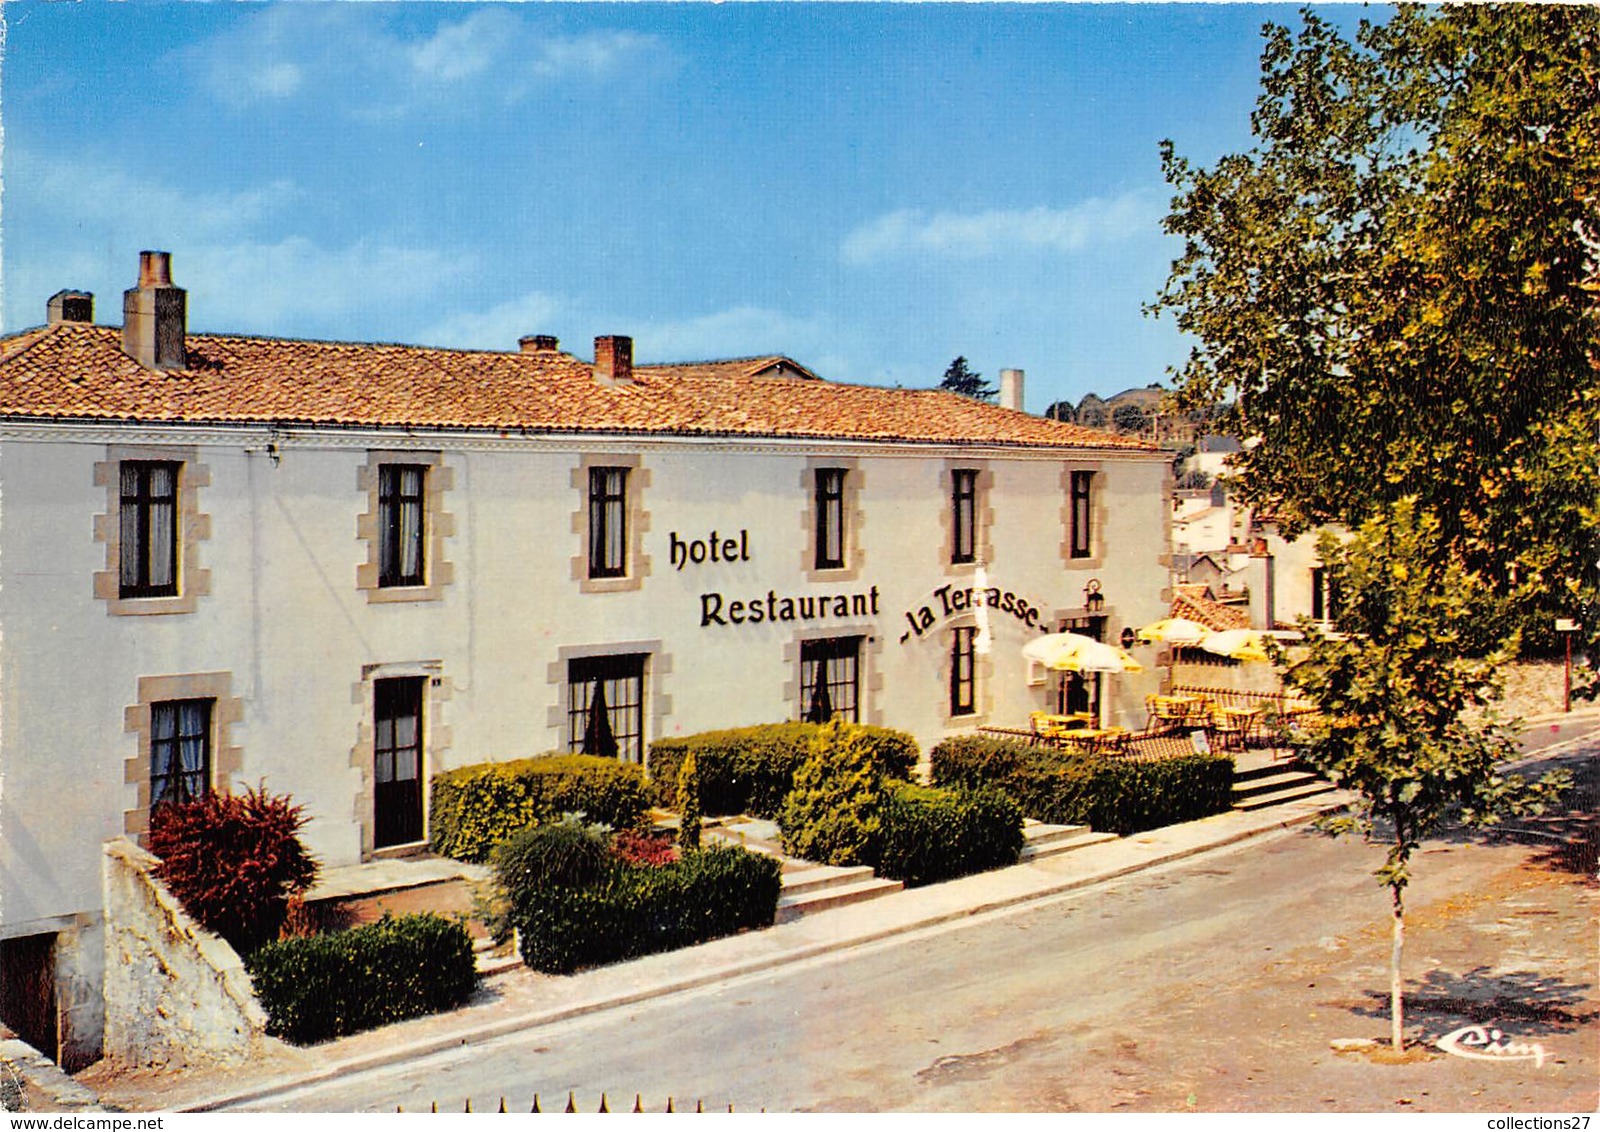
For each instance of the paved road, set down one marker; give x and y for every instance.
(1214, 985)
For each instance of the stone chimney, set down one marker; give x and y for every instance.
(613, 359)
(1011, 389)
(155, 315)
(70, 306)
(539, 344)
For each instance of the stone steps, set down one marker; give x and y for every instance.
(1275, 783)
(1040, 840)
(833, 892)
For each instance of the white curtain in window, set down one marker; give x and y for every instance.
(162, 497)
(411, 522)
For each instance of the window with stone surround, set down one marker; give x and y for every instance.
(405, 526)
(152, 529)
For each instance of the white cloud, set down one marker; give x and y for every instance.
(735, 332)
(999, 232)
(500, 326)
(72, 189)
(275, 288)
(596, 55)
(351, 56)
(458, 51)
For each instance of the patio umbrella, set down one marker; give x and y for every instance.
(1073, 652)
(598, 738)
(1174, 631)
(1237, 644)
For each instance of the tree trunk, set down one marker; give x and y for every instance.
(1396, 1006)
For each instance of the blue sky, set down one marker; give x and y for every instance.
(871, 189)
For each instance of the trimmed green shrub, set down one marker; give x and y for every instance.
(831, 814)
(476, 807)
(640, 909)
(928, 834)
(325, 986)
(751, 769)
(233, 861)
(1114, 795)
(566, 852)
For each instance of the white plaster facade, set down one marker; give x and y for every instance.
(286, 634)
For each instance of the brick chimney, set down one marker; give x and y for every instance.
(70, 306)
(539, 344)
(1011, 389)
(155, 315)
(613, 359)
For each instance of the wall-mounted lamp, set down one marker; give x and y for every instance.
(1093, 600)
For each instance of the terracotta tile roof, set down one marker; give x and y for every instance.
(1194, 601)
(78, 371)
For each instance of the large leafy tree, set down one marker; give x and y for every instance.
(1393, 295)
(959, 378)
(1394, 290)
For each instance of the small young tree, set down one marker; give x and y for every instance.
(1404, 694)
(959, 379)
(233, 861)
(689, 802)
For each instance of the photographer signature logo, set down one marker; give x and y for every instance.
(1482, 1043)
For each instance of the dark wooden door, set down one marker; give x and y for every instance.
(397, 761)
(28, 991)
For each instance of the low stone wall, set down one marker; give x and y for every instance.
(31, 1082)
(175, 994)
(1533, 688)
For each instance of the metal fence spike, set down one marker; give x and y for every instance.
(572, 1104)
(698, 1107)
(602, 1107)
(669, 1104)
(502, 1104)
(535, 1107)
(638, 1103)
(468, 1108)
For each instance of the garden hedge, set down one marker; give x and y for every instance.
(641, 909)
(928, 834)
(476, 807)
(1110, 794)
(751, 769)
(324, 986)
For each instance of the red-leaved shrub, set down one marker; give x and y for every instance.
(639, 848)
(233, 860)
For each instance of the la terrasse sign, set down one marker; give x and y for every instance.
(717, 608)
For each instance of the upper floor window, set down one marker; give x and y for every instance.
(963, 668)
(830, 518)
(605, 706)
(964, 515)
(149, 534)
(180, 750)
(830, 682)
(401, 491)
(1082, 535)
(608, 522)
(1325, 598)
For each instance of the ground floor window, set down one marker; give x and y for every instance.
(397, 760)
(180, 750)
(963, 664)
(830, 681)
(605, 706)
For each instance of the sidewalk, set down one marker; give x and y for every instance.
(520, 999)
